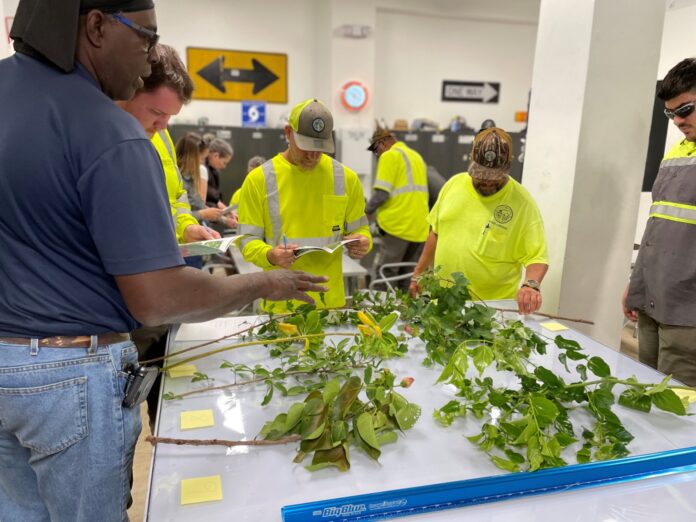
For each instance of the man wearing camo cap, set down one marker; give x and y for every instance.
(487, 226)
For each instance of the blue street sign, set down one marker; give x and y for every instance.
(253, 114)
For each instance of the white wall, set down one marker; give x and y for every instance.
(417, 50)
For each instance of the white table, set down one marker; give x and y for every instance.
(257, 482)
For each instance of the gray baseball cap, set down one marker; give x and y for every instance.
(312, 124)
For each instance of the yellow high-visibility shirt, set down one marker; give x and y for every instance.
(234, 200)
(178, 200)
(311, 214)
(401, 172)
(487, 238)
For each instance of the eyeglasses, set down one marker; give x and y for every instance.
(151, 36)
(682, 111)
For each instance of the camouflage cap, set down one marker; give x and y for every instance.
(491, 155)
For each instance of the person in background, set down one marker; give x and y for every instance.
(98, 260)
(254, 161)
(188, 152)
(303, 196)
(162, 96)
(207, 138)
(661, 294)
(219, 155)
(400, 199)
(487, 226)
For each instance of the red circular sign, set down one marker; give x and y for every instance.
(354, 96)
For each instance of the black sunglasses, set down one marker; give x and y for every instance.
(682, 111)
(151, 36)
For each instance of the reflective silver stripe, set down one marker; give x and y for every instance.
(409, 188)
(682, 213)
(409, 172)
(167, 145)
(311, 241)
(384, 185)
(339, 178)
(354, 225)
(251, 230)
(678, 162)
(273, 202)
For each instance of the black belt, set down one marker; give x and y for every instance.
(70, 341)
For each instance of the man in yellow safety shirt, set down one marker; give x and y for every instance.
(661, 295)
(400, 198)
(487, 226)
(302, 197)
(163, 94)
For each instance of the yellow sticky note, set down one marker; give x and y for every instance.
(189, 420)
(553, 326)
(201, 489)
(185, 370)
(689, 395)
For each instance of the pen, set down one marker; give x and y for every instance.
(485, 228)
(285, 242)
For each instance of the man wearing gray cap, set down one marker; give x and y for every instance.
(302, 197)
(88, 254)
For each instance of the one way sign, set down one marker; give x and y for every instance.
(481, 92)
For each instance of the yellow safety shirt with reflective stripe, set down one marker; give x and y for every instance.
(178, 200)
(401, 172)
(663, 280)
(487, 238)
(310, 208)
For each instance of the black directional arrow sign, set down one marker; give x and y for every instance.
(229, 75)
(481, 92)
(216, 74)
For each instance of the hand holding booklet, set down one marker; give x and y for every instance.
(329, 249)
(210, 246)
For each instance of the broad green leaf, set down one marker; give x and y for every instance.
(387, 437)
(269, 394)
(635, 399)
(330, 457)
(368, 375)
(387, 322)
(566, 344)
(548, 377)
(483, 356)
(348, 393)
(584, 455)
(505, 464)
(457, 365)
(366, 430)
(544, 410)
(407, 416)
(293, 417)
(599, 367)
(575, 355)
(296, 390)
(669, 401)
(582, 370)
(339, 431)
(331, 389)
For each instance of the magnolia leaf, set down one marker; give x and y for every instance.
(366, 430)
(330, 457)
(348, 393)
(339, 431)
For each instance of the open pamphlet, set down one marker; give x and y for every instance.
(210, 246)
(329, 249)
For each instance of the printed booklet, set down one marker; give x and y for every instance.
(329, 249)
(210, 246)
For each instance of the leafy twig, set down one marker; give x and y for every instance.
(221, 442)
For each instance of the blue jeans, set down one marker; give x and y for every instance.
(66, 443)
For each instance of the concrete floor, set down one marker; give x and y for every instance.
(143, 451)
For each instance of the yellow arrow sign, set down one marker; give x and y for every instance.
(219, 74)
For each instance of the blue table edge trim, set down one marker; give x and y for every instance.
(447, 495)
